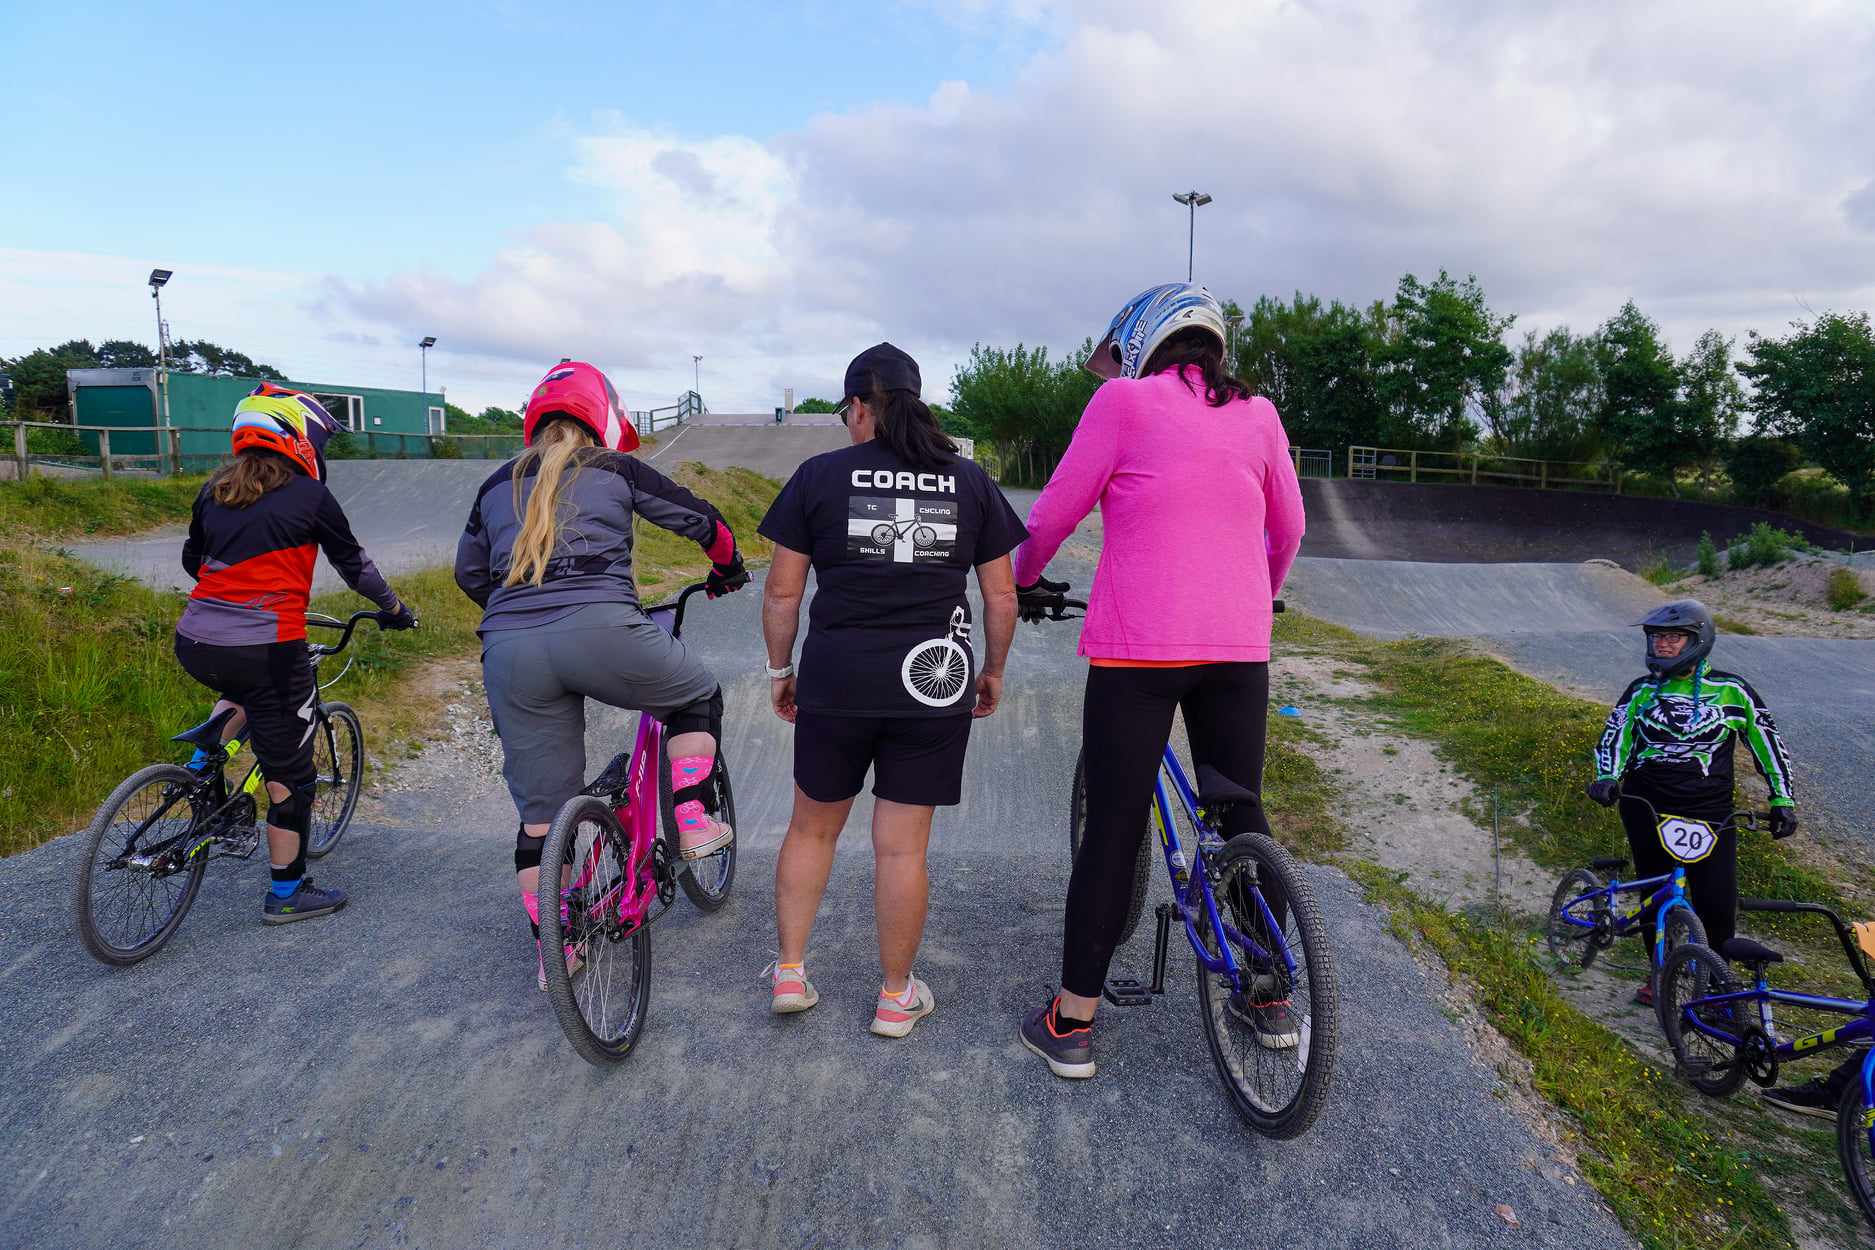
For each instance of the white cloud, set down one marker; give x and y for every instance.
(1706, 159)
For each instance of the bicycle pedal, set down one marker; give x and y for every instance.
(1126, 992)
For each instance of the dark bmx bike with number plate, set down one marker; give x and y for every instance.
(148, 846)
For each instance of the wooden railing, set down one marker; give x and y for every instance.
(167, 458)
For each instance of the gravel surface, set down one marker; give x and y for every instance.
(390, 1077)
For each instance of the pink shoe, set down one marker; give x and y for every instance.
(698, 833)
(896, 1014)
(792, 990)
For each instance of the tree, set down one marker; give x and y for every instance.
(1020, 399)
(1817, 387)
(1547, 407)
(1316, 365)
(39, 378)
(125, 354)
(1710, 401)
(1640, 389)
(202, 356)
(1756, 464)
(814, 404)
(1442, 355)
(500, 417)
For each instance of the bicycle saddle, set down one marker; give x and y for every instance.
(613, 779)
(1215, 789)
(1752, 954)
(207, 735)
(1609, 864)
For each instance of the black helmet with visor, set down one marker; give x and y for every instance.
(1682, 616)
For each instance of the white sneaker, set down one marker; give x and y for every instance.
(894, 1015)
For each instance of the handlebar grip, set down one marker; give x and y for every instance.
(1276, 605)
(1769, 904)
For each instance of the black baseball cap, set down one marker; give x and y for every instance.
(883, 367)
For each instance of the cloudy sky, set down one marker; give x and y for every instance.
(775, 187)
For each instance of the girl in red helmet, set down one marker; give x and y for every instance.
(256, 530)
(547, 553)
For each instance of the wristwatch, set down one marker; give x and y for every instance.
(776, 674)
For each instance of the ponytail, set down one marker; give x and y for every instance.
(555, 450)
(905, 425)
(251, 474)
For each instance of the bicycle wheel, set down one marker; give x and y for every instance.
(1712, 1067)
(1142, 865)
(1568, 942)
(923, 536)
(1278, 1091)
(127, 909)
(1684, 928)
(936, 672)
(1853, 1147)
(601, 1007)
(339, 761)
(706, 881)
(884, 535)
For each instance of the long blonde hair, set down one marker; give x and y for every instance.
(251, 474)
(556, 451)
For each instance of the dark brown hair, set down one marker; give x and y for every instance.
(1196, 347)
(248, 476)
(904, 423)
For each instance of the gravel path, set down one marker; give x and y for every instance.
(390, 1077)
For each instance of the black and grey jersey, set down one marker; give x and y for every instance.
(1675, 737)
(592, 558)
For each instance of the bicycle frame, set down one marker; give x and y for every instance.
(1188, 889)
(1671, 894)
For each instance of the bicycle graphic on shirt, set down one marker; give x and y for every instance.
(937, 672)
(888, 532)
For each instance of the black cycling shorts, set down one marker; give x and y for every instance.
(274, 683)
(915, 760)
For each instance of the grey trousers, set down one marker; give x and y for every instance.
(539, 679)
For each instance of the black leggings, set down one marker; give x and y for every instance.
(1712, 882)
(1125, 723)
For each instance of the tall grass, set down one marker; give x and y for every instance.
(1845, 589)
(89, 686)
(61, 507)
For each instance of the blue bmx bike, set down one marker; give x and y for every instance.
(1257, 939)
(1722, 1031)
(1587, 914)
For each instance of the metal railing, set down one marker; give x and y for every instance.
(1406, 464)
(688, 407)
(1312, 461)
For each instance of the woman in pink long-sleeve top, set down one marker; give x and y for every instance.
(1201, 518)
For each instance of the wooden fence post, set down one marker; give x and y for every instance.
(1542, 475)
(19, 451)
(1413, 466)
(104, 453)
(1475, 457)
(175, 450)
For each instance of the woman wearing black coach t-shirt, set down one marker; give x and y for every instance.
(889, 679)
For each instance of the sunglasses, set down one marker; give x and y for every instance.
(844, 410)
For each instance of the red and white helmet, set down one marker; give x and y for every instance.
(576, 389)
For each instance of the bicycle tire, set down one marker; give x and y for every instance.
(89, 932)
(1852, 1148)
(562, 853)
(1571, 943)
(1142, 863)
(697, 875)
(1319, 1027)
(323, 834)
(1692, 972)
(1684, 928)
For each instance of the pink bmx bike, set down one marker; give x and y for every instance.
(614, 849)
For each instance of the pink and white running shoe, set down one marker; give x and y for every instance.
(897, 1013)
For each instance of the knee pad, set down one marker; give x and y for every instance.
(295, 810)
(702, 716)
(527, 850)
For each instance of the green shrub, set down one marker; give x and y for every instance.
(41, 442)
(1845, 589)
(1764, 546)
(1708, 556)
(445, 449)
(1731, 624)
(1662, 571)
(1756, 464)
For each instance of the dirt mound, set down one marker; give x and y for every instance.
(1791, 598)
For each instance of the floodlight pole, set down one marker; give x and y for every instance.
(157, 278)
(696, 376)
(1193, 201)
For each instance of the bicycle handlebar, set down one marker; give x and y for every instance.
(348, 625)
(1850, 949)
(677, 606)
(1062, 608)
(1744, 818)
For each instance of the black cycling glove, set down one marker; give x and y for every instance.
(403, 618)
(1040, 598)
(726, 578)
(1605, 791)
(1783, 821)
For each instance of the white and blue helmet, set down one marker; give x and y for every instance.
(1149, 319)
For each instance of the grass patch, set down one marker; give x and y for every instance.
(1845, 589)
(62, 507)
(1663, 572)
(1298, 793)
(1731, 624)
(90, 689)
(1656, 1163)
(1762, 546)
